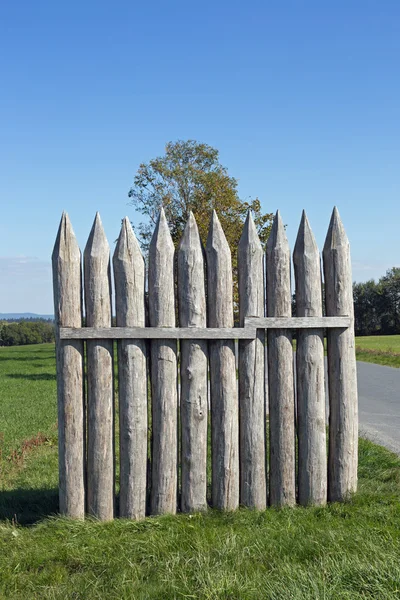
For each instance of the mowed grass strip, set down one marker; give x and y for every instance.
(344, 551)
(379, 349)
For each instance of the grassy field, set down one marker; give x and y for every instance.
(379, 349)
(346, 551)
(27, 400)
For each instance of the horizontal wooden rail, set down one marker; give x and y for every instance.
(298, 322)
(248, 332)
(158, 333)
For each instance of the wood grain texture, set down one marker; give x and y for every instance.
(298, 322)
(280, 371)
(252, 417)
(163, 372)
(67, 288)
(129, 277)
(342, 376)
(311, 418)
(248, 332)
(194, 371)
(223, 386)
(100, 460)
(158, 333)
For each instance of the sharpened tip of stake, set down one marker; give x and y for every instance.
(249, 219)
(305, 241)
(336, 235)
(162, 219)
(249, 233)
(127, 246)
(216, 236)
(65, 239)
(126, 229)
(279, 223)
(191, 236)
(97, 226)
(161, 239)
(191, 223)
(97, 243)
(277, 236)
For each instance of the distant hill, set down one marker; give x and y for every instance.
(18, 316)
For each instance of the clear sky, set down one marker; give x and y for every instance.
(302, 98)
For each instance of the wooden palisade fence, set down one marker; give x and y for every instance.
(173, 474)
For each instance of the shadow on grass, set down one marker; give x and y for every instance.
(27, 506)
(30, 377)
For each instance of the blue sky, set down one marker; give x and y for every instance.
(302, 98)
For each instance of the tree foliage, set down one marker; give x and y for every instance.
(377, 305)
(189, 177)
(26, 332)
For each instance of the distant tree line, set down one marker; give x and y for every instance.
(28, 319)
(377, 305)
(26, 332)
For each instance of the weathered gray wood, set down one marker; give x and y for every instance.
(248, 332)
(223, 387)
(163, 372)
(159, 333)
(342, 377)
(67, 287)
(100, 460)
(310, 381)
(298, 322)
(194, 375)
(253, 484)
(280, 371)
(129, 277)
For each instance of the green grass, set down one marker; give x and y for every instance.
(28, 432)
(27, 395)
(343, 551)
(379, 349)
(385, 343)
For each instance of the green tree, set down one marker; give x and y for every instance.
(366, 308)
(189, 177)
(377, 305)
(26, 332)
(389, 288)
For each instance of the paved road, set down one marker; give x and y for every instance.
(379, 404)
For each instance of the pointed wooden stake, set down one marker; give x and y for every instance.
(100, 376)
(163, 372)
(253, 489)
(194, 376)
(129, 277)
(342, 376)
(224, 393)
(310, 371)
(67, 286)
(280, 370)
